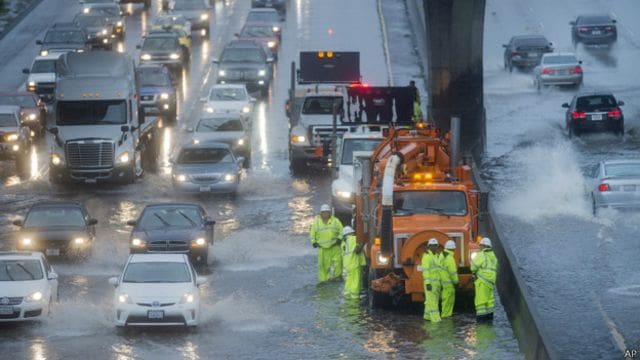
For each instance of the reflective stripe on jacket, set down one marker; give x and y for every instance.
(350, 259)
(431, 266)
(485, 266)
(449, 270)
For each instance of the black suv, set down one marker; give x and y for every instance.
(246, 62)
(594, 30)
(62, 38)
(157, 91)
(594, 111)
(525, 51)
(99, 29)
(163, 48)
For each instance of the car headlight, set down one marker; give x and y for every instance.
(196, 141)
(56, 159)
(275, 29)
(209, 109)
(27, 241)
(187, 298)
(136, 242)
(246, 109)
(262, 72)
(32, 117)
(104, 32)
(229, 177)
(86, 10)
(199, 241)
(382, 259)
(15, 147)
(271, 44)
(240, 142)
(80, 50)
(222, 73)
(78, 241)
(34, 296)
(204, 16)
(124, 158)
(44, 52)
(343, 194)
(119, 23)
(164, 96)
(298, 139)
(174, 56)
(181, 178)
(12, 137)
(124, 299)
(145, 57)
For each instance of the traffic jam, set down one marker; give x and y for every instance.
(263, 179)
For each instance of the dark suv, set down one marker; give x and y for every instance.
(594, 30)
(280, 5)
(157, 91)
(62, 38)
(246, 62)
(99, 29)
(594, 111)
(163, 48)
(525, 51)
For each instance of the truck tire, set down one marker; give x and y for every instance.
(378, 300)
(297, 166)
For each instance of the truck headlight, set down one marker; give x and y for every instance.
(271, 44)
(31, 86)
(104, 32)
(246, 109)
(382, 259)
(34, 296)
(240, 142)
(12, 137)
(105, 41)
(229, 177)
(124, 158)
(78, 241)
(119, 23)
(174, 56)
(15, 147)
(32, 117)
(136, 242)
(199, 242)
(222, 73)
(124, 299)
(298, 139)
(56, 159)
(204, 16)
(275, 29)
(164, 96)
(187, 298)
(262, 72)
(181, 178)
(343, 194)
(27, 241)
(145, 57)
(44, 52)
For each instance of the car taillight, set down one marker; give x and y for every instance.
(614, 113)
(610, 28)
(582, 29)
(603, 187)
(547, 71)
(579, 115)
(576, 70)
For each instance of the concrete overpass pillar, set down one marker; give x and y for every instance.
(454, 49)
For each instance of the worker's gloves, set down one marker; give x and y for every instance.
(315, 245)
(338, 241)
(419, 268)
(428, 287)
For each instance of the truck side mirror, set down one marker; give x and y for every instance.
(17, 222)
(124, 128)
(131, 223)
(92, 221)
(38, 42)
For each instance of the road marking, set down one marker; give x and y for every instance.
(613, 329)
(385, 43)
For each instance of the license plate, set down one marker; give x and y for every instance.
(629, 188)
(596, 32)
(52, 252)
(155, 314)
(205, 188)
(596, 117)
(562, 72)
(533, 55)
(6, 310)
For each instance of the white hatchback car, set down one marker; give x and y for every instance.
(28, 286)
(157, 290)
(229, 98)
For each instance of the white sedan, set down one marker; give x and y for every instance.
(229, 98)
(157, 290)
(28, 286)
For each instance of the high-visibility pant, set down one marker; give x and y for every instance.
(328, 257)
(431, 300)
(484, 299)
(353, 283)
(448, 300)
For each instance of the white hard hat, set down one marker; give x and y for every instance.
(432, 242)
(486, 242)
(450, 245)
(347, 230)
(325, 207)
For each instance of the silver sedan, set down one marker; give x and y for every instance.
(616, 184)
(558, 69)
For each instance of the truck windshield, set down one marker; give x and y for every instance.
(441, 202)
(43, 66)
(321, 105)
(351, 145)
(102, 112)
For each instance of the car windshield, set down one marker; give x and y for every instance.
(228, 94)
(91, 21)
(257, 31)
(64, 37)
(213, 125)
(157, 217)
(162, 43)
(18, 100)
(596, 102)
(153, 78)
(263, 16)
(243, 55)
(559, 59)
(112, 11)
(20, 270)
(351, 145)
(170, 21)
(43, 66)
(532, 42)
(596, 20)
(205, 156)
(52, 216)
(430, 202)
(189, 5)
(103, 112)
(622, 170)
(157, 272)
(8, 120)
(321, 105)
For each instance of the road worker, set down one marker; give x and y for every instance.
(325, 235)
(448, 278)
(352, 261)
(431, 266)
(484, 267)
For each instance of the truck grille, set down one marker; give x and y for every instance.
(322, 134)
(89, 154)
